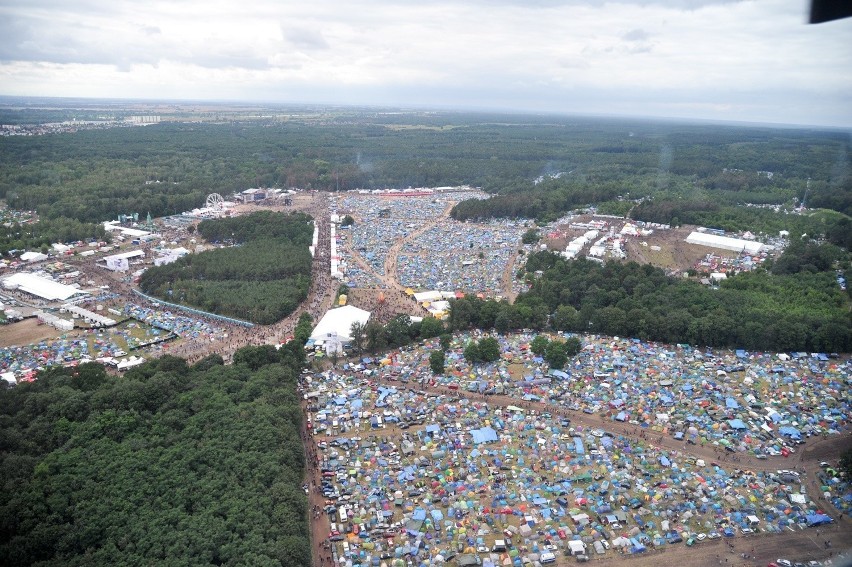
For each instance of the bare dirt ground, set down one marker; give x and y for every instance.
(368, 298)
(674, 253)
(300, 202)
(26, 332)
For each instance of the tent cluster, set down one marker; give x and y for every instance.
(461, 478)
(102, 345)
(448, 256)
(755, 403)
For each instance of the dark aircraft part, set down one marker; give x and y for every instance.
(828, 10)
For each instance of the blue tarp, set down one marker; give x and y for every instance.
(731, 403)
(484, 435)
(736, 424)
(790, 432)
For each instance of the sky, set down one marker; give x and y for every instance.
(753, 61)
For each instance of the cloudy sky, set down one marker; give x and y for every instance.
(710, 59)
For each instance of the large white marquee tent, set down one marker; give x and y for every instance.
(724, 242)
(40, 287)
(338, 323)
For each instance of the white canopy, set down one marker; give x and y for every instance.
(41, 287)
(339, 322)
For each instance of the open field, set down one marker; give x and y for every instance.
(26, 332)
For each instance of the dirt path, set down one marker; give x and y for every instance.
(508, 278)
(393, 253)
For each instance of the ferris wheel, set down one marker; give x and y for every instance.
(215, 201)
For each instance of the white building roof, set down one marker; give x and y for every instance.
(339, 321)
(428, 296)
(724, 242)
(42, 287)
(126, 255)
(132, 232)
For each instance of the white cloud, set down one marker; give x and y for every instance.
(730, 60)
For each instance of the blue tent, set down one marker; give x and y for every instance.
(484, 435)
(736, 424)
(817, 519)
(790, 432)
(731, 403)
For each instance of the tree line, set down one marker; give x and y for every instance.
(170, 167)
(41, 234)
(262, 277)
(796, 305)
(169, 463)
(757, 310)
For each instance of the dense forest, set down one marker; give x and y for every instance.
(166, 464)
(92, 175)
(262, 277)
(41, 234)
(760, 311)
(796, 306)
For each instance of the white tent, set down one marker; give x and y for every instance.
(339, 322)
(33, 257)
(130, 362)
(40, 287)
(724, 242)
(428, 296)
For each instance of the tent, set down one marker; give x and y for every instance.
(790, 432)
(817, 519)
(484, 435)
(338, 322)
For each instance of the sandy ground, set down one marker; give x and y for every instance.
(26, 332)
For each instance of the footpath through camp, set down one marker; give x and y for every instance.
(634, 450)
